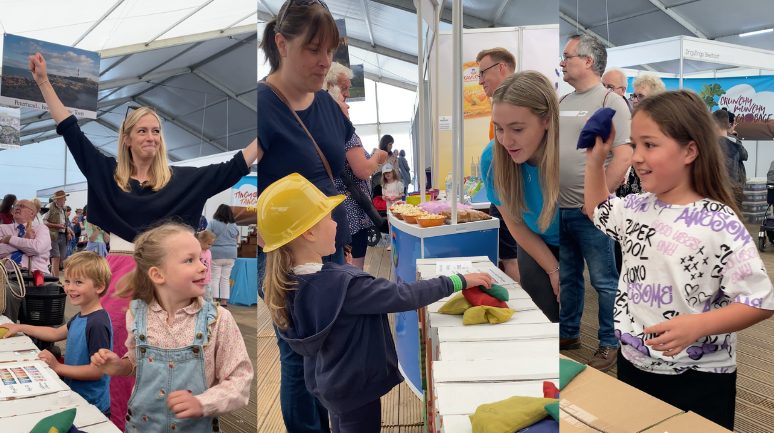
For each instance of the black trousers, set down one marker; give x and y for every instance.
(365, 419)
(711, 395)
(536, 283)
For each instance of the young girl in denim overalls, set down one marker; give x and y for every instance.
(188, 356)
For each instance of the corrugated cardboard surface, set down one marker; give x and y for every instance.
(570, 424)
(687, 422)
(611, 406)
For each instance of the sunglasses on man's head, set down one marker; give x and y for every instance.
(290, 3)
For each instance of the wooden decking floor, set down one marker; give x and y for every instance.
(401, 408)
(755, 357)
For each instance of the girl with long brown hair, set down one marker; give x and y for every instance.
(691, 274)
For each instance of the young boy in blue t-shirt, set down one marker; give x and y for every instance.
(87, 276)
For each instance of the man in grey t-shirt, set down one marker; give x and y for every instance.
(583, 62)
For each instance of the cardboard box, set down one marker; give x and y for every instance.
(609, 405)
(596, 402)
(685, 423)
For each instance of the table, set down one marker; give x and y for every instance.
(467, 366)
(21, 414)
(244, 282)
(411, 242)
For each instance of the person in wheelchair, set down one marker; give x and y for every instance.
(27, 243)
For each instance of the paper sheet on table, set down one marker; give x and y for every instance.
(453, 267)
(28, 379)
(18, 343)
(465, 267)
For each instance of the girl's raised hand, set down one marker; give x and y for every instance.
(184, 404)
(37, 66)
(476, 279)
(596, 155)
(676, 334)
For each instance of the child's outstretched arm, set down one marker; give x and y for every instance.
(675, 334)
(233, 375)
(77, 372)
(368, 295)
(595, 187)
(45, 333)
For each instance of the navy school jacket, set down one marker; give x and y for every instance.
(338, 323)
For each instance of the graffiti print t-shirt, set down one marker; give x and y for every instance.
(680, 259)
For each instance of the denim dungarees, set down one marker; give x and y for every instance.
(162, 371)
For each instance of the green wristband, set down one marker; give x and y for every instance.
(456, 282)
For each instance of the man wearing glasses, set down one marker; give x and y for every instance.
(583, 62)
(494, 66)
(25, 242)
(614, 80)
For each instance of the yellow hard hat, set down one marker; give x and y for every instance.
(289, 207)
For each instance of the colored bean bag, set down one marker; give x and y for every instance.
(486, 314)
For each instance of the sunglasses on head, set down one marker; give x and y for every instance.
(129, 109)
(290, 3)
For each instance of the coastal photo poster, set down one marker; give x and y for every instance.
(10, 126)
(73, 72)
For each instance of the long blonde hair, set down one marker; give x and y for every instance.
(149, 251)
(160, 173)
(532, 90)
(683, 116)
(277, 282)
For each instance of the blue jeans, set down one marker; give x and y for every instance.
(301, 411)
(580, 241)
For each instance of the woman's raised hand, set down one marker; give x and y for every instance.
(37, 66)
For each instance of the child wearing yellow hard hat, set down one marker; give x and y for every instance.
(335, 316)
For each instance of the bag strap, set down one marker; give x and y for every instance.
(5, 278)
(301, 122)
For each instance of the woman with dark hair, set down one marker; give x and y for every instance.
(224, 252)
(6, 209)
(299, 46)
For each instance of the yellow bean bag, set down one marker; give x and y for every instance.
(457, 304)
(486, 314)
(509, 415)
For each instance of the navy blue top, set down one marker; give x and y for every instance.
(127, 213)
(338, 322)
(287, 149)
(85, 336)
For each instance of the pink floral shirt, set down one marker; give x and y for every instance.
(228, 370)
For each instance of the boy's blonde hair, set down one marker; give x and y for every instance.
(149, 252)
(90, 265)
(205, 236)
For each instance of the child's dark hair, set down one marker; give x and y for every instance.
(684, 117)
(299, 20)
(276, 284)
(90, 265)
(149, 251)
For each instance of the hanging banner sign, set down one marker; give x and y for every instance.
(751, 99)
